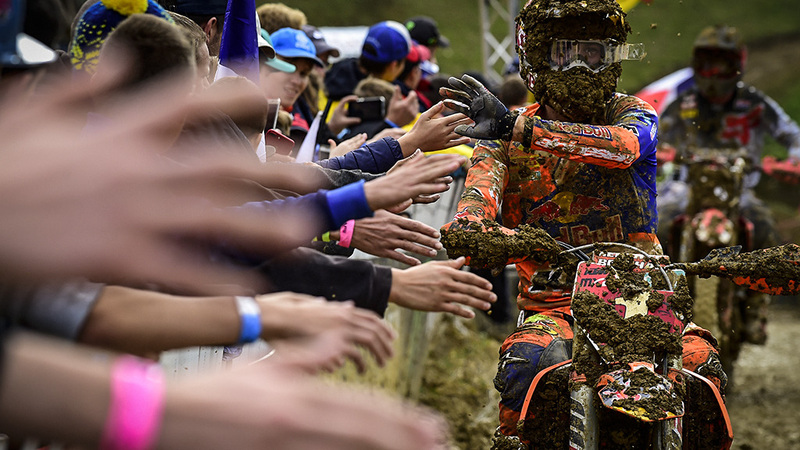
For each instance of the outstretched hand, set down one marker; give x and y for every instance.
(471, 98)
(419, 176)
(432, 131)
(385, 233)
(439, 286)
(291, 315)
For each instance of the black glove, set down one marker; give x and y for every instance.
(492, 119)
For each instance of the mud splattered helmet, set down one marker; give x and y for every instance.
(718, 60)
(553, 41)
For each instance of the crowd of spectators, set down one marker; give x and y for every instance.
(145, 209)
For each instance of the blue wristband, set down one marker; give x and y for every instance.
(250, 314)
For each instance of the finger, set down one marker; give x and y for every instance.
(457, 106)
(425, 199)
(457, 310)
(399, 257)
(474, 84)
(345, 100)
(462, 86)
(432, 111)
(415, 227)
(462, 140)
(466, 130)
(463, 298)
(418, 248)
(376, 344)
(453, 94)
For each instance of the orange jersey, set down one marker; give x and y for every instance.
(580, 183)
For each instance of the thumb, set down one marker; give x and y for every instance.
(457, 263)
(466, 130)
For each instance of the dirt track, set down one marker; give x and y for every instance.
(765, 409)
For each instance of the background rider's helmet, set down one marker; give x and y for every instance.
(718, 60)
(548, 35)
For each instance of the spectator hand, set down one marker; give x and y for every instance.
(274, 404)
(383, 234)
(434, 133)
(394, 133)
(421, 199)
(402, 111)
(418, 176)
(440, 286)
(346, 146)
(290, 315)
(492, 119)
(93, 204)
(339, 118)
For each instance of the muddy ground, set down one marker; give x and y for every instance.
(765, 408)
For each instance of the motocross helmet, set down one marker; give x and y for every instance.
(718, 60)
(570, 53)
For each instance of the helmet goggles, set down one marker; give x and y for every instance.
(594, 55)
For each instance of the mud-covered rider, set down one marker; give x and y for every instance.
(580, 164)
(722, 112)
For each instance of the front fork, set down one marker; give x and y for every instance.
(584, 429)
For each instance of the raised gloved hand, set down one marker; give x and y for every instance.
(492, 119)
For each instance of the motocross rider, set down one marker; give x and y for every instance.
(580, 164)
(722, 112)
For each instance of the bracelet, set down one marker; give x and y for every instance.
(137, 405)
(250, 314)
(346, 233)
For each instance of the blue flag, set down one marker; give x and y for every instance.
(239, 47)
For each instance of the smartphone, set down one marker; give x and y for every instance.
(283, 144)
(273, 105)
(367, 108)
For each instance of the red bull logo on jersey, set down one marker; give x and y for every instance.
(579, 129)
(582, 234)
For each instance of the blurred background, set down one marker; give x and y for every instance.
(666, 27)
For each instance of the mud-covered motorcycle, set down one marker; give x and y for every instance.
(625, 385)
(713, 219)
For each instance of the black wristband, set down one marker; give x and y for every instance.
(505, 126)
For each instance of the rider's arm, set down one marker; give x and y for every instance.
(630, 137)
(486, 181)
(782, 128)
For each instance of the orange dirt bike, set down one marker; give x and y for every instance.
(625, 386)
(713, 219)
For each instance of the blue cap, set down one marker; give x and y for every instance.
(265, 42)
(386, 42)
(292, 43)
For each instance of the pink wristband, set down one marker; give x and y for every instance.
(346, 233)
(137, 403)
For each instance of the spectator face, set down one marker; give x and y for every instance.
(286, 86)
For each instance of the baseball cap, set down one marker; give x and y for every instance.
(265, 45)
(418, 54)
(319, 41)
(425, 31)
(386, 42)
(292, 43)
